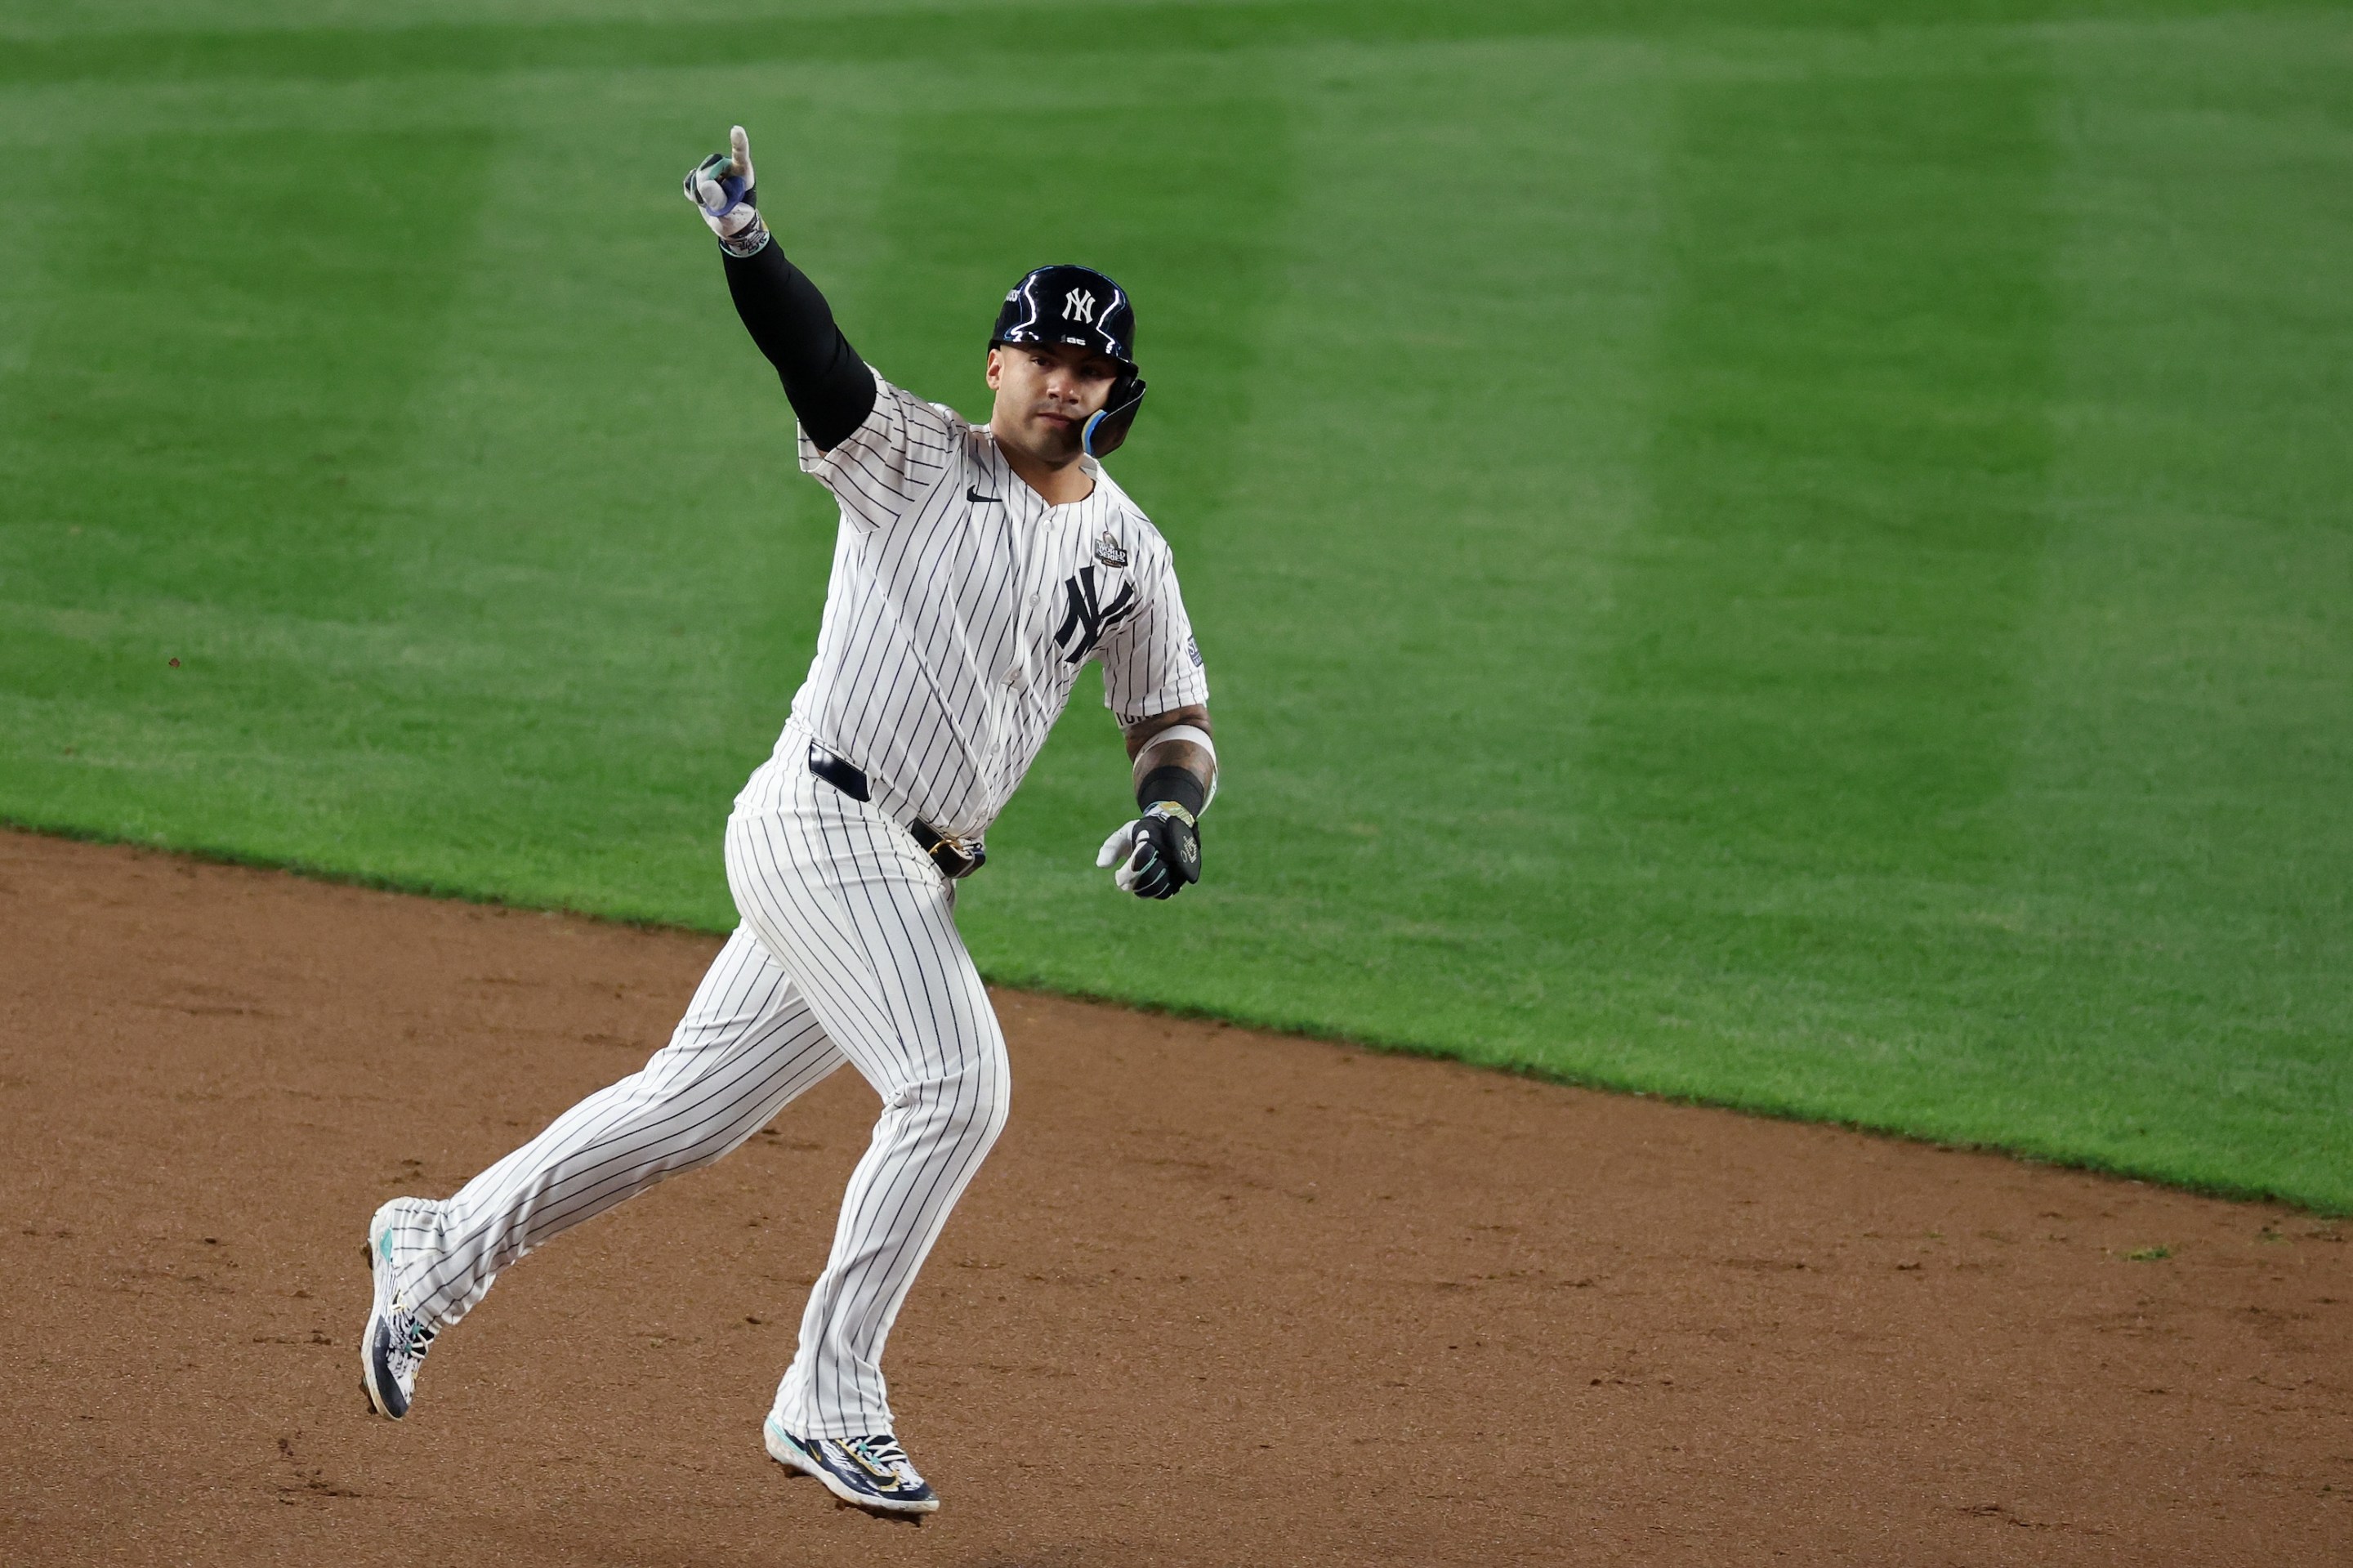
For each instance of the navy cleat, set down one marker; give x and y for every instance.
(869, 1473)
(394, 1344)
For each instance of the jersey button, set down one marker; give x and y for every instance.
(1013, 676)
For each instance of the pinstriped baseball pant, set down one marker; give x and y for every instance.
(848, 951)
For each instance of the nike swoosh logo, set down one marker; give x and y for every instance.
(973, 493)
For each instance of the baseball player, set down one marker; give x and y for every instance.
(977, 570)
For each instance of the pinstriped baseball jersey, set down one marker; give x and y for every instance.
(962, 607)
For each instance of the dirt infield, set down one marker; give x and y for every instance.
(1218, 1298)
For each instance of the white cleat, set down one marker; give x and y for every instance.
(871, 1473)
(395, 1341)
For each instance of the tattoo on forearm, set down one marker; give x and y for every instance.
(747, 240)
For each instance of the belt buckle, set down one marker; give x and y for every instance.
(951, 855)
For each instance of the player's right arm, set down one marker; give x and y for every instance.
(880, 449)
(831, 390)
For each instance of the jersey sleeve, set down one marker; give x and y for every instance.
(887, 464)
(1151, 663)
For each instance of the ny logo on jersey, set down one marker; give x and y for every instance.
(1077, 305)
(1085, 618)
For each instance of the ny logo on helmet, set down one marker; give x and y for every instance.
(1077, 305)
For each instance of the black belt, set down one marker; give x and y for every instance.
(850, 780)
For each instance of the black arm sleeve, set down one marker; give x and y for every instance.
(831, 390)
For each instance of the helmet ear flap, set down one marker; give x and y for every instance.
(1107, 429)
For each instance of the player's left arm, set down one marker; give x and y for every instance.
(1174, 764)
(1156, 682)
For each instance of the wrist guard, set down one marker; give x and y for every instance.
(748, 240)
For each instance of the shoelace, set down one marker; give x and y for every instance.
(411, 1344)
(883, 1454)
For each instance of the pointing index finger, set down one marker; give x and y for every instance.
(740, 146)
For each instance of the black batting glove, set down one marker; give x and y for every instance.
(1157, 854)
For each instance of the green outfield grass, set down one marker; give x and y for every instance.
(1795, 555)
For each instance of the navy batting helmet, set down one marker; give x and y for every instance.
(1079, 306)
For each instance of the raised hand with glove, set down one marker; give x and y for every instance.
(720, 186)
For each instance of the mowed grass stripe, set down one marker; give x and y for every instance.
(1001, 34)
(1812, 701)
(2177, 802)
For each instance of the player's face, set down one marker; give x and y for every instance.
(1044, 394)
